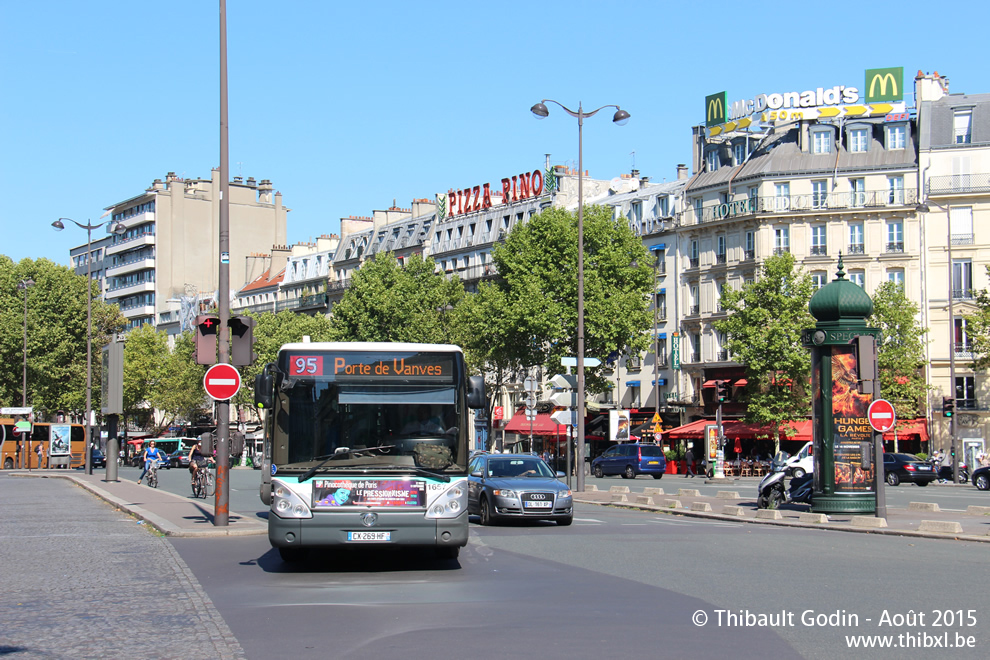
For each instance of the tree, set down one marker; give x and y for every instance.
(763, 331)
(537, 264)
(145, 354)
(57, 333)
(399, 303)
(901, 353)
(978, 329)
(178, 393)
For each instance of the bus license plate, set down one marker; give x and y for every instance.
(538, 505)
(369, 536)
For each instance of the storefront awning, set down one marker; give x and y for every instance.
(910, 429)
(542, 425)
(742, 382)
(736, 429)
(710, 383)
(632, 383)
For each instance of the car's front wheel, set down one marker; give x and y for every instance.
(893, 479)
(982, 481)
(798, 473)
(564, 522)
(599, 473)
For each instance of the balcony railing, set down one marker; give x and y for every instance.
(720, 258)
(962, 294)
(856, 248)
(967, 404)
(661, 313)
(808, 203)
(964, 349)
(895, 247)
(962, 239)
(314, 301)
(696, 356)
(749, 255)
(694, 262)
(722, 356)
(781, 250)
(694, 310)
(958, 183)
(819, 250)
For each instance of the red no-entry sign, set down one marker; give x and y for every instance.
(881, 415)
(222, 381)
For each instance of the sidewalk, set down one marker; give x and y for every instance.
(170, 514)
(920, 519)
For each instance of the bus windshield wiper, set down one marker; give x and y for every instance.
(342, 452)
(423, 472)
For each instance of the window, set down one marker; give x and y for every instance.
(962, 278)
(896, 136)
(636, 212)
(662, 352)
(781, 240)
(962, 344)
(819, 246)
(962, 121)
(819, 279)
(720, 292)
(962, 225)
(896, 275)
(697, 211)
(821, 142)
(695, 261)
(858, 277)
(720, 249)
(695, 347)
(782, 194)
(695, 307)
(663, 206)
(895, 184)
(660, 305)
(858, 196)
(711, 160)
(859, 140)
(722, 353)
(819, 194)
(739, 153)
(751, 244)
(966, 392)
(856, 245)
(895, 236)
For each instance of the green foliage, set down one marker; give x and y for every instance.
(538, 284)
(763, 331)
(145, 355)
(978, 329)
(178, 393)
(901, 354)
(397, 303)
(57, 334)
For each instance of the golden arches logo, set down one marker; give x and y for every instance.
(715, 109)
(884, 78)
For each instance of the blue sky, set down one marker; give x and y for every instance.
(348, 106)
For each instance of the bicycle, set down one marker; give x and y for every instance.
(204, 485)
(153, 474)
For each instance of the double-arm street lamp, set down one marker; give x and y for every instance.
(924, 208)
(89, 227)
(620, 118)
(23, 285)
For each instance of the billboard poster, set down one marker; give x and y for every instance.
(59, 441)
(618, 425)
(368, 492)
(851, 431)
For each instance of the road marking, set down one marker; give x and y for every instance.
(719, 523)
(591, 520)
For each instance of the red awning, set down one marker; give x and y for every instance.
(742, 382)
(710, 383)
(735, 429)
(910, 428)
(542, 425)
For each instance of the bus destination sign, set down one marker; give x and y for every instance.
(365, 367)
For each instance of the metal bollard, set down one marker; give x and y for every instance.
(113, 448)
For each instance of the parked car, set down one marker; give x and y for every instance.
(631, 460)
(98, 458)
(518, 486)
(981, 478)
(179, 459)
(801, 463)
(907, 468)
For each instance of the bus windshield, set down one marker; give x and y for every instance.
(384, 414)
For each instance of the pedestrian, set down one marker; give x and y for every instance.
(41, 453)
(689, 459)
(152, 453)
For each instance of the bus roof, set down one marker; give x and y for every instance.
(370, 346)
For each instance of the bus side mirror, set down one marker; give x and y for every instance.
(476, 392)
(264, 385)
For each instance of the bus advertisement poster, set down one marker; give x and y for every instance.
(369, 492)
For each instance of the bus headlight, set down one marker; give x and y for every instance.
(286, 504)
(450, 503)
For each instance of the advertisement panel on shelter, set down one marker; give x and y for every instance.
(618, 425)
(59, 440)
(851, 430)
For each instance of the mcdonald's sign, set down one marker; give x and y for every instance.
(884, 85)
(715, 109)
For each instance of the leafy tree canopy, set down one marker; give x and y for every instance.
(901, 353)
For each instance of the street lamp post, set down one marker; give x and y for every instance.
(89, 227)
(620, 118)
(23, 285)
(924, 208)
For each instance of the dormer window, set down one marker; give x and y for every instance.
(711, 160)
(858, 139)
(821, 140)
(896, 136)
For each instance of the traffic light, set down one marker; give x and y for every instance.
(948, 406)
(722, 390)
(207, 331)
(241, 341)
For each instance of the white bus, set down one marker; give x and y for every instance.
(366, 443)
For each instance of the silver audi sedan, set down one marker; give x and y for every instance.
(518, 486)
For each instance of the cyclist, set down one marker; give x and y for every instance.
(151, 454)
(197, 459)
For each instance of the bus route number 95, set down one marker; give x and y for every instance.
(306, 365)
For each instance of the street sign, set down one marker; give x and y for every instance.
(222, 381)
(17, 411)
(564, 382)
(531, 415)
(881, 415)
(572, 362)
(531, 402)
(498, 413)
(530, 384)
(564, 398)
(656, 418)
(565, 417)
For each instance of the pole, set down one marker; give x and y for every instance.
(952, 347)
(579, 459)
(89, 347)
(656, 340)
(25, 455)
(222, 504)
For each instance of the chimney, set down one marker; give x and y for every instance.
(682, 172)
(265, 191)
(280, 257)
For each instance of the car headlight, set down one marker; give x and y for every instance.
(510, 494)
(563, 494)
(450, 503)
(286, 503)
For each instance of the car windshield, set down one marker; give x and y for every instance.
(519, 467)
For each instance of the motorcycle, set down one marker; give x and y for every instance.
(945, 473)
(773, 493)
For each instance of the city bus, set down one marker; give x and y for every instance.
(366, 444)
(42, 432)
